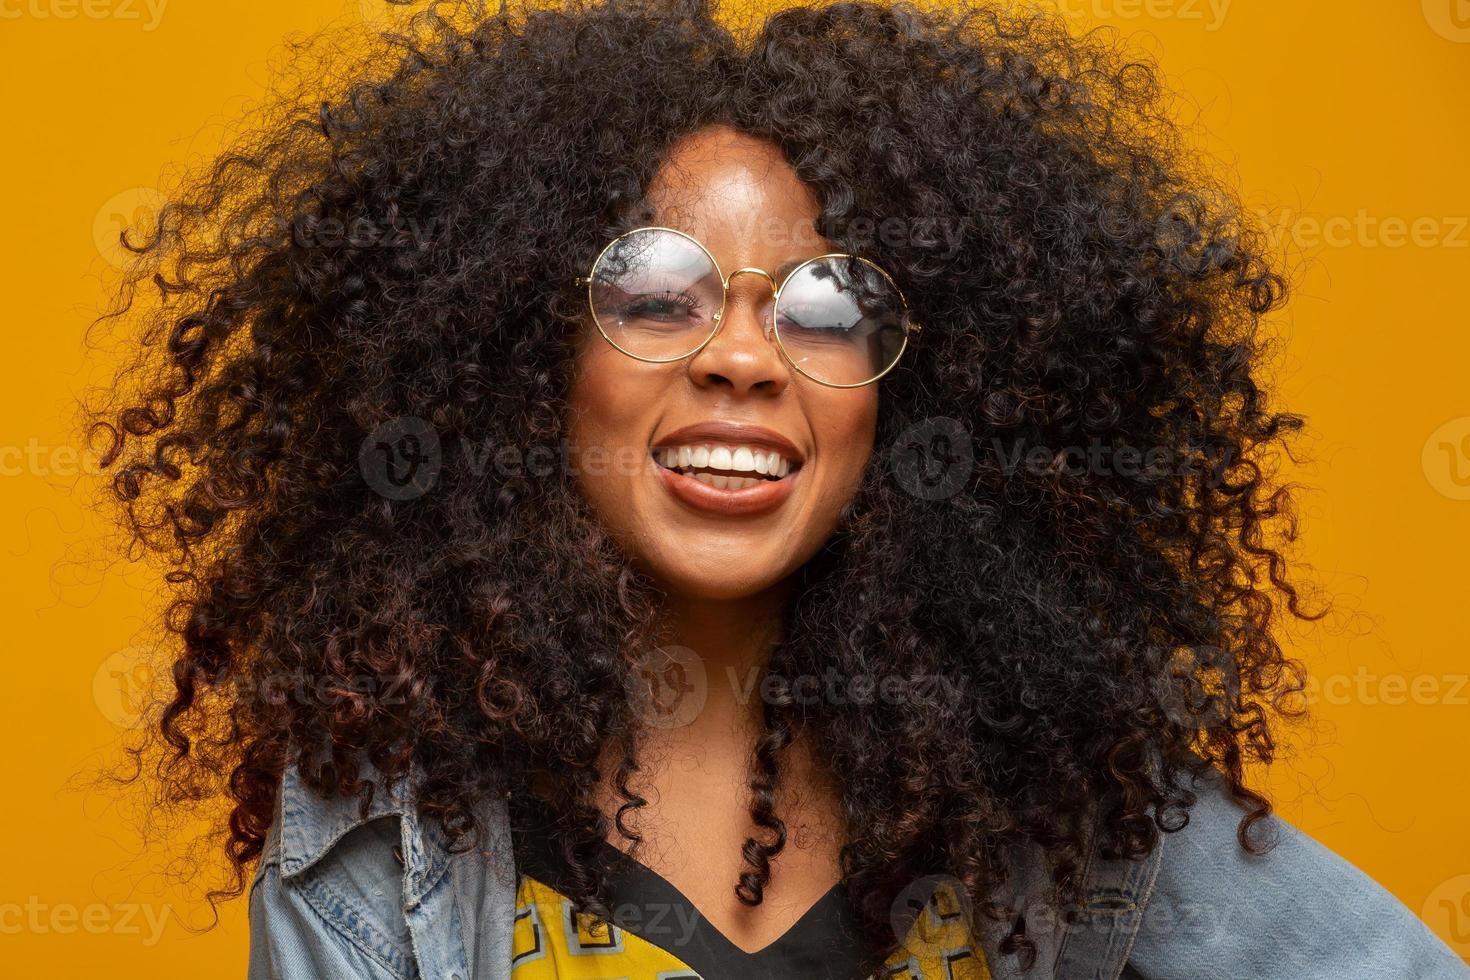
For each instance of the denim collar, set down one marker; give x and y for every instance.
(311, 824)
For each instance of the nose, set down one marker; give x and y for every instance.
(742, 355)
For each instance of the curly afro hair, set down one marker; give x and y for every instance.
(397, 262)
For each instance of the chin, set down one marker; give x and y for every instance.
(714, 582)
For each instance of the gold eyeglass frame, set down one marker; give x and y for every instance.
(911, 326)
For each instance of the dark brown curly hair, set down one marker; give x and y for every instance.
(395, 263)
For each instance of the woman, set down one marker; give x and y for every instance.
(657, 499)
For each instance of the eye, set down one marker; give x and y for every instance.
(666, 306)
(815, 318)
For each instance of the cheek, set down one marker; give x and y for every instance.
(600, 417)
(845, 422)
(590, 400)
(612, 405)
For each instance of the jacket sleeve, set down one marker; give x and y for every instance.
(329, 922)
(1297, 912)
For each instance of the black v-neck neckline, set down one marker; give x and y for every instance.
(822, 944)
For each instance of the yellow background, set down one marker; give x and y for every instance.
(1346, 123)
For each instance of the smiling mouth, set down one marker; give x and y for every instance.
(726, 467)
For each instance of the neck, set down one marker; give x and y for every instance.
(731, 640)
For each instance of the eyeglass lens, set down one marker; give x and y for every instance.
(655, 294)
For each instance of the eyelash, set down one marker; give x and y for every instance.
(689, 303)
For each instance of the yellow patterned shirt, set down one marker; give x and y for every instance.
(657, 934)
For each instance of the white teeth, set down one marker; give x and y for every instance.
(726, 482)
(745, 459)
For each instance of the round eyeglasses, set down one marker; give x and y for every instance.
(658, 295)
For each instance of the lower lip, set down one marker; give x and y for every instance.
(764, 496)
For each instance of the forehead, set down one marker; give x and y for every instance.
(737, 194)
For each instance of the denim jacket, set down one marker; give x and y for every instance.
(337, 895)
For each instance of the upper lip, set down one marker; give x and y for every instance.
(734, 434)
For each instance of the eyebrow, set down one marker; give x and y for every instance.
(785, 268)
